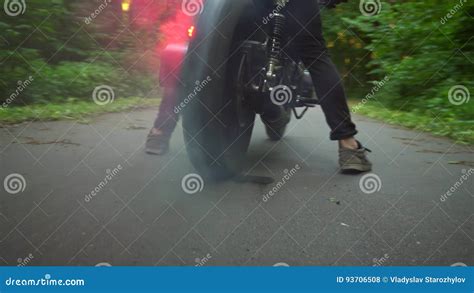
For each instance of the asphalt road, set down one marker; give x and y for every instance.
(141, 215)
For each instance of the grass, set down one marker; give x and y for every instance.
(80, 110)
(461, 131)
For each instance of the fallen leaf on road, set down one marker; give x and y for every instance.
(444, 152)
(466, 163)
(410, 143)
(135, 127)
(33, 141)
(407, 138)
(334, 200)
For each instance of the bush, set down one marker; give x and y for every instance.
(423, 52)
(49, 53)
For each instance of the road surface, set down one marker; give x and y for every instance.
(86, 194)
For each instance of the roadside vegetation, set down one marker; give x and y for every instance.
(409, 63)
(67, 58)
(80, 111)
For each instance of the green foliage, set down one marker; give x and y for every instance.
(347, 47)
(461, 131)
(424, 48)
(67, 57)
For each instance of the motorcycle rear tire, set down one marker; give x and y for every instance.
(217, 125)
(218, 142)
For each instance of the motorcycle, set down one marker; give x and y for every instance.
(239, 64)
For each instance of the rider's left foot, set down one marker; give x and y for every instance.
(157, 143)
(354, 160)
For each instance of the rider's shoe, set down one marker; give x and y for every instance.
(354, 160)
(157, 143)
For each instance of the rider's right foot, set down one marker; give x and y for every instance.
(354, 160)
(157, 143)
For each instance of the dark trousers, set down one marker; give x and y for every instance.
(305, 29)
(167, 116)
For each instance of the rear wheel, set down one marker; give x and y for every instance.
(218, 127)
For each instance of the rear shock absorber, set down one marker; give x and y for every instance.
(276, 41)
(275, 44)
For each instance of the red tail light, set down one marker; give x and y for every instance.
(191, 31)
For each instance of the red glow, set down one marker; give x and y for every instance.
(178, 29)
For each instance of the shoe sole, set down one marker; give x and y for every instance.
(155, 152)
(355, 168)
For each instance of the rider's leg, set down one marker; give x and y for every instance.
(158, 139)
(330, 92)
(305, 24)
(167, 117)
(328, 85)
